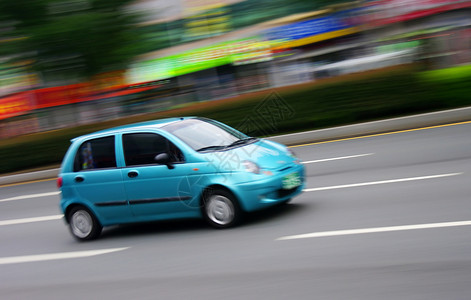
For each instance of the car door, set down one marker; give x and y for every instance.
(152, 188)
(97, 181)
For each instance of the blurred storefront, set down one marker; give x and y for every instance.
(305, 44)
(440, 29)
(71, 105)
(285, 51)
(15, 77)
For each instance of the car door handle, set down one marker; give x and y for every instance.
(79, 179)
(133, 174)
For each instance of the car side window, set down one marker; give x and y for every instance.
(142, 148)
(96, 154)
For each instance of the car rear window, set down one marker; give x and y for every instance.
(96, 154)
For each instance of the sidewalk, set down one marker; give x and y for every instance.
(361, 129)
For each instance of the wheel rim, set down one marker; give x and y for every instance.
(220, 210)
(81, 224)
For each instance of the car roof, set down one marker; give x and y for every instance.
(141, 125)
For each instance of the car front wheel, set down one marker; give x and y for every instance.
(83, 224)
(221, 209)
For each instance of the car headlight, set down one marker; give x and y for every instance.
(293, 155)
(251, 167)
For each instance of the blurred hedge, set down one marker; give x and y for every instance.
(331, 102)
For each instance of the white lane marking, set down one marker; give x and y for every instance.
(336, 158)
(380, 182)
(56, 256)
(30, 196)
(30, 220)
(374, 230)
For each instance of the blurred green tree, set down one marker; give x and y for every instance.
(69, 40)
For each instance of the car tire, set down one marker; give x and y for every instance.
(221, 209)
(286, 202)
(83, 224)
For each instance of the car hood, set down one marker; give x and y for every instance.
(266, 154)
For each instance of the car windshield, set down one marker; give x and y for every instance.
(206, 135)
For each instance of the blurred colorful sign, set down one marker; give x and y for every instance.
(60, 95)
(315, 30)
(234, 52)
(176, 65)
(249, 50)
(206, 18)
(25, 102)
(397, 47)
(383, 12)
(15, 105)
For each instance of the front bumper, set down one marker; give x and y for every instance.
(268, 189)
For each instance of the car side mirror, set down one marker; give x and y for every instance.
(164, 159)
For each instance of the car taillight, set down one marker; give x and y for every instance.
(59, 182)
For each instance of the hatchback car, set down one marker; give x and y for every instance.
(172, 168)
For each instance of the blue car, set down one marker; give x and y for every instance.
(172, 168)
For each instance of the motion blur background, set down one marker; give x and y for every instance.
(76, 62)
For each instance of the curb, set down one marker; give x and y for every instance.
(361, 129)
(24, 177)
(376, 127)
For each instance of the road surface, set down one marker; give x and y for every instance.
(383, 217)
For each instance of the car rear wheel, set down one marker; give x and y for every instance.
(221, 209)
(83, 224)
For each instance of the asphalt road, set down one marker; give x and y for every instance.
(384, 217)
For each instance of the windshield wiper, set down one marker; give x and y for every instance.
(211, 148)
(242, 141)
(236, 143)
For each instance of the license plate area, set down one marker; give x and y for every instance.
(291, 181)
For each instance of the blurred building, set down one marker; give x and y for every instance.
(216, 49)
